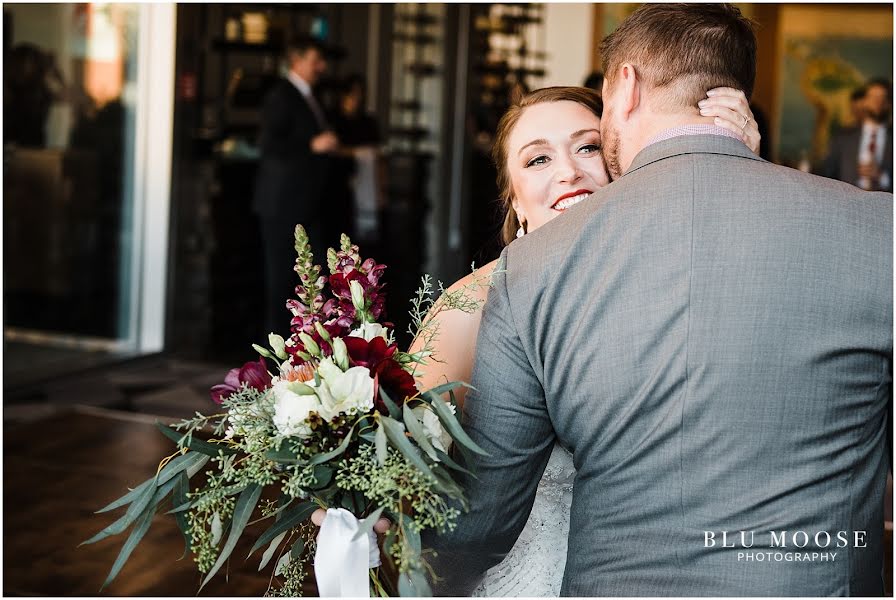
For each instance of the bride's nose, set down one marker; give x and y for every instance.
(567, 170)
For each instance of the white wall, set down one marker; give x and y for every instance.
(567, 40)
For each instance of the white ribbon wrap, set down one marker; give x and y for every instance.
(341, 563)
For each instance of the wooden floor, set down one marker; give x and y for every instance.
(58, 470)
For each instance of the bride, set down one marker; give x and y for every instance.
(548, 156)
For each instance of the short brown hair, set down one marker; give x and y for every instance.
(684, 48)
(588, 98)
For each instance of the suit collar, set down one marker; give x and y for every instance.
(690, 144)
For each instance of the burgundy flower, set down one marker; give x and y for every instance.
(254, 374)
(386, 372)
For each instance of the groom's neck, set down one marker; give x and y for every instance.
(652, 124)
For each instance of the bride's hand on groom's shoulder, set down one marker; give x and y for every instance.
(731, 110)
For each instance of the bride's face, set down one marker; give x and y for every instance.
(554, 160)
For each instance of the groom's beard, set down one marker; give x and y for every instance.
(610, 151)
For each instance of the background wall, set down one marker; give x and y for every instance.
(568, 36)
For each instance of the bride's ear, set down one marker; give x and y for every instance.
(629, 83)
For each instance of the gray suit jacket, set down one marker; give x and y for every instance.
(711, 337)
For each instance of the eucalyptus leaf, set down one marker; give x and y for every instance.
(140, 528)
(290, 519)
(449, 422)
(296, 550)
(326, 456)
(411, 535)
(282, 564)
(269, 553)
(180, 508)
(179, 497)
(217, 529)
(195, 443)
(322, 475)
(129, 497)
(382, 449)
(181, 463)
(393, 409)
(449, 387)
(368, 436)
(367, 524)
(284, 455)
(449, 462)
(446, 485)
(133, 513)
(415, 428)
(413, 584)
(245, 504)
(395, 433)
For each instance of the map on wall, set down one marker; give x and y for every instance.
(818, 76)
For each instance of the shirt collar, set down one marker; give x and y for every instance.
(691, 129)
(300, 83)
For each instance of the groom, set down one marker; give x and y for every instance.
(710, 336)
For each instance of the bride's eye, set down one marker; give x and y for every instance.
(538, 160)
(589, 148)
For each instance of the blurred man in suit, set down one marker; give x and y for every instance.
(863, 155)
(295, 143)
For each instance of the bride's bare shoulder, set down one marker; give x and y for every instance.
(475, 283)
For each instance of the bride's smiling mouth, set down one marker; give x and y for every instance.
(570, 199)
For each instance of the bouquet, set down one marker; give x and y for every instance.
(331, 418)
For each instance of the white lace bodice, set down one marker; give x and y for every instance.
(534, 566)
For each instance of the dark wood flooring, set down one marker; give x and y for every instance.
(61, 468)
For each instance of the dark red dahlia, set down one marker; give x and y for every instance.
(385, 370)
(254, 374)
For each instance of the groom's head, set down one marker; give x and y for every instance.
(660, 62)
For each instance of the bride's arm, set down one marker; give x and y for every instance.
(454, 343)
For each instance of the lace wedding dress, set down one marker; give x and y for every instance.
(534, 567)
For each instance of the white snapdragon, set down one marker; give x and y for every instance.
(368, 331)
(292, 405)
(432, 427)
(349, 391)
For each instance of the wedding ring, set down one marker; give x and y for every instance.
(746, 120)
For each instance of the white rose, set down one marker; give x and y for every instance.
(432, 427)
(349, 392)
(368, 331)
(292, 408)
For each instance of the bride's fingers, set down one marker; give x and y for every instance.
(382, 525)
(318, 516)
(727, 91)
(736, 104)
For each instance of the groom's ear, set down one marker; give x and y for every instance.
(629, 90)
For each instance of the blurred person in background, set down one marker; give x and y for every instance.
(863, 155)
(296, 144)
(354, 184)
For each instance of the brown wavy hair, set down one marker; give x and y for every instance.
(588, 98)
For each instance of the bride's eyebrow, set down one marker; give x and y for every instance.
(538, 142)
(582, 132)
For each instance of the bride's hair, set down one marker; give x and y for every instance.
(682, 50)
(588, 98)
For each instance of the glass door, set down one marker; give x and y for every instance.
(88, 96)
